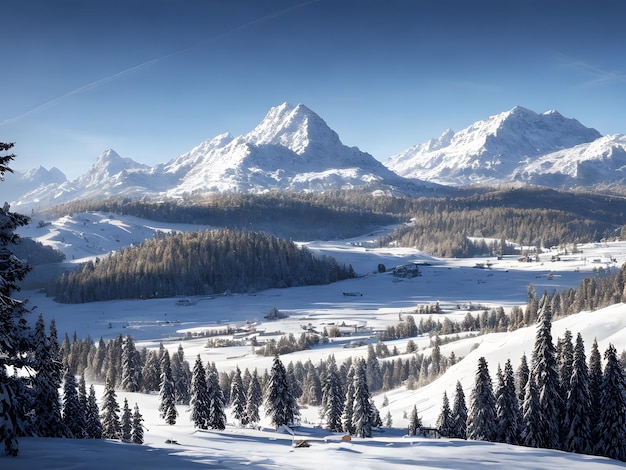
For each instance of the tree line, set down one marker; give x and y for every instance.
(196, 263)
(559, 401)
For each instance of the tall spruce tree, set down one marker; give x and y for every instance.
(280, 403)
(481, 418)
(110, 418)
(415, 423)
(348, 403)
(507, 407)
(167, 400)
(137, 427)
(151, 372)
(546, 374)
(445, 421)
(363, 410)
(126, 423)
(532, 421)
(131, 366)
(181, 375)
(595, 391)
(333, 396)
(522, 374)
(459, 413)
(254, 398)
(565, 363)
(611, 427)
(93, 425)
(13, 344)
(199, 401)
(217, 402)
(238, 397)
(578, 405)
(72, 413)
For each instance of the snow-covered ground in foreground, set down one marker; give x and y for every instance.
(377, 300)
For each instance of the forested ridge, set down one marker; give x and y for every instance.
(442, 226)
(195, 263)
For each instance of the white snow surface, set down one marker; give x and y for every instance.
(377, 301)
(489, 151)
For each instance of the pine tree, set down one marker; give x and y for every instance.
(151, 372)
(578, 405)
(280, 403)
(333, 397)
(217, 402)
(93, 425)
(522, 374)
(83, 402)
(611, 428)
(415, 423)
(199, 401)
(459, 413)
(445, 423)
(362, 408)
(126, 423)
(373, 372)
(72, 413)
(565, 363)
(110, 419)
(595, 391)
(13, 344)
(348, 403)
(181, 375)
(137, 427)
(532, 421)
(507, 407)
(481, 418)
(46, 384)
(545, 371)
(131, 366)
(238, 397)
(254, 398)
(167, 402)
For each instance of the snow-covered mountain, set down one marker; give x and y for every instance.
(492, 150)
(23, 181)
(291, 149)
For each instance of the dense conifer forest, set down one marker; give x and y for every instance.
(196, 263)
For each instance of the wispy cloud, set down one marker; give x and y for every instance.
(598, 75)
(122, 73)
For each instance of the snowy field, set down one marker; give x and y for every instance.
(374, 302)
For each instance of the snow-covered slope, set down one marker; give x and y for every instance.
(23, 181)
(489, 151)
(292, 148)
(598, 163)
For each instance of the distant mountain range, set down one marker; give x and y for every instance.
(292, 148)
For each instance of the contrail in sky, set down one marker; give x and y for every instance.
(115, 76)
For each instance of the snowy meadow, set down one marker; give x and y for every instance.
(366, 305)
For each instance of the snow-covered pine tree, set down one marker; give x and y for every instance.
(362, 406)
(507, 407)
(151, 372)
(415, 423)
(167, 401)
(199, 401)
(565, 364)
(522, 374)
(445, 423)
(13, 421)
(333, 396)
(93, 425)
(181, 375)
(280, 403)
(388, 419)
(73, 417)
(254, 398)
(238, 397)
(137, 427)
(531, 415)
(373, 372)
(46, 383)
(578, 405)
(611, 430)
(131, 366)
(217, 403)
(459, 413)
(595, 390)
(481, 417)
(126, 423)
(348, 403)
(546, 374)
(110, 418)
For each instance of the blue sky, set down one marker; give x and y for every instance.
(152, 79)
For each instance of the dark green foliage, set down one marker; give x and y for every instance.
(137, 427)
(194, 263)
(577, 422)
(459, 413)
(110, 418)
(126, 423)
(445, 421)
(167, 400)
(507, 407)
(280, 403)
(481, 418)
(199, 401)
(415, 423)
